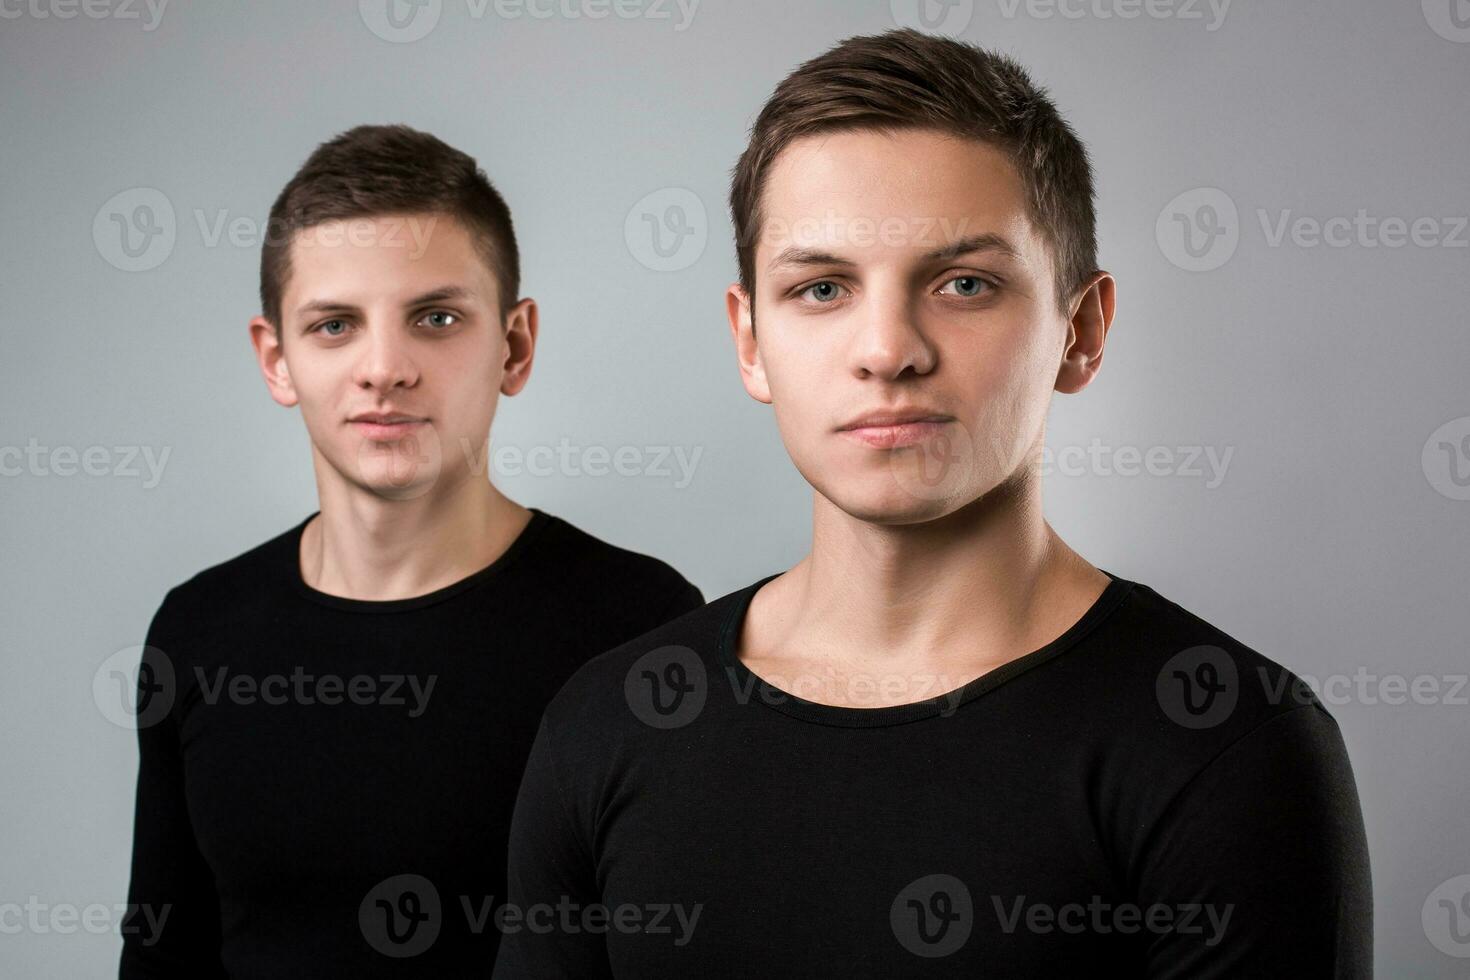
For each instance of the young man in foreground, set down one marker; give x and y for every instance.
(943, 743)
(332, 725)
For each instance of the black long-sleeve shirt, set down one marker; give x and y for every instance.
(325, 784)
(1144, 796)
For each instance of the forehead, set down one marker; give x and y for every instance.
(928, 187)
(385, 249)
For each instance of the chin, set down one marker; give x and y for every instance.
(390, 486)
(395, 472)
(879, 499)
(393, 491)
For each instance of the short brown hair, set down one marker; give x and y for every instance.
(907, 80)
(370, 171)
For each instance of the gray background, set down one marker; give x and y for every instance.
(1336, 542)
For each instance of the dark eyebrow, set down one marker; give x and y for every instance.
(432, 296)
(795, 255)
(987, 242)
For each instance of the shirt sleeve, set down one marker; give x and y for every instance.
(1264, 854)
(172, 924)
(550, 868)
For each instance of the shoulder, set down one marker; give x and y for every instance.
(598, 556)
(264, 560)
(614, 692)
(244, 581)
(624, 580)
(1200, 676)
(1159, 690)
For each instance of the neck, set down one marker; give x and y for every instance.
(976, 587)
(367, 546)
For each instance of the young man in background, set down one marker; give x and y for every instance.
(333, 724)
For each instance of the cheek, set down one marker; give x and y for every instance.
(1003, 376)
(798, 374)
(799, 353)
(469, 384)
(1014, 358)
(1020, 397)
(316, 379)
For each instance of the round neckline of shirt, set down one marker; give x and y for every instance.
(745, 679)
(539, 520)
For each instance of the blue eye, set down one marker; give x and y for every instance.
(453, 318)
(323, 327)
(968, 286)
(822, 292)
